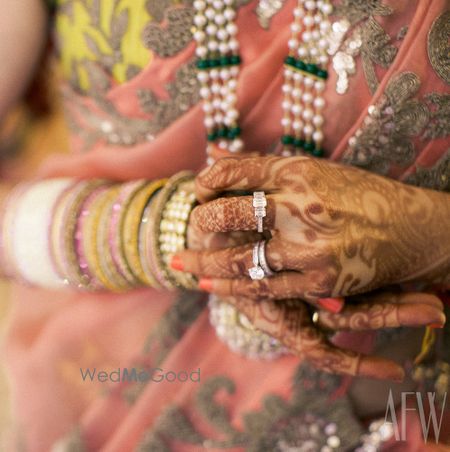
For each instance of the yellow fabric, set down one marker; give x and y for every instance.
(75, 27)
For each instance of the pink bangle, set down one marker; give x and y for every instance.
(119, 210)
(64, 229)
(86, 274)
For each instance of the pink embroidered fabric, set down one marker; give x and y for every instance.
(52, 334)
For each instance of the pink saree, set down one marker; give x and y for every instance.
(393, 119)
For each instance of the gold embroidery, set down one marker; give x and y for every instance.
(439, 124)
(107, 123)
(387, 136)
(437, 177)
(168, 34)
(310, 418)
(389, 127)
(174, 36)
(439, 46)
(356, 32)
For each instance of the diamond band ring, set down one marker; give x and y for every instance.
(262, 259)
(260, 267)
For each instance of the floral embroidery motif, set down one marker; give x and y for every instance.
(356, 32)
(183, 94)
(170, 39)
(437, 177)
(311, 417)
(107, 123)
(439, 124)
(102, 33)
(389, 129)
(167, 34)
(439, 46)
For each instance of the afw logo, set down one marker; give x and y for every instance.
(400, 433)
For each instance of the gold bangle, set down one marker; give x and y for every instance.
(111, 281)
(145, 239)
(131, 229)
(55, 229)
(116, 227)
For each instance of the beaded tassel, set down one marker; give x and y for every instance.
(218, 69)
(304, 79)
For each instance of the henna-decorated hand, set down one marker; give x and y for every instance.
(290, 322)
(336, 230)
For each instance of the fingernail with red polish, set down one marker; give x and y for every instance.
(334, 305)
(205, 284)
(177, 264)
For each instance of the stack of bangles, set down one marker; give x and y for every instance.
(96, 235)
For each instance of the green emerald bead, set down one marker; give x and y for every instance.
(222, 133)
(225, 61)
(299, 64)
(309, 146)
(299, 143)
(312, 68)
(287, 139)
(290, 60)
(318, 153)
(235, 59)
(202, 64)
(211, 136)
(322, 74)
(234, 132)
(214, 63)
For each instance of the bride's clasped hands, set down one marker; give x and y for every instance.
(331, 231)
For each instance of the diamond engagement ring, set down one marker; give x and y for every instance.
(260, 267)
(256, 272)
(259, 204)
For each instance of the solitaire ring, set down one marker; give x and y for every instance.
(256, 272)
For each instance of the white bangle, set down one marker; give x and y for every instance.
(30, 233)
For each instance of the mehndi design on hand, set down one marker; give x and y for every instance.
(336, 230)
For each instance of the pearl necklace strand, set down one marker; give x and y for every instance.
(304, 75)
(218, 65)
(304, 81)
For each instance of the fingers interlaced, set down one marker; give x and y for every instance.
(376, 314)
(289, 322)
(284, 285)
